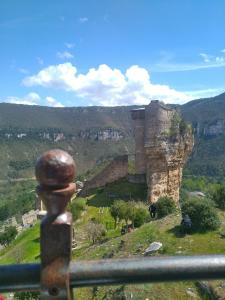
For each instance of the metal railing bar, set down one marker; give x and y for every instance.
(119, 271)
(19, 277)
(151, 269)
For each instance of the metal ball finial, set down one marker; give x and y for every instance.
(55, 168)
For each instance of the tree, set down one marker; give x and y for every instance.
(76, 207)
(219, 196)
(165, 206)
(141, 216)
(8, 235)
(132, 211)
(118, 211)
(202, 214)
(95, 231)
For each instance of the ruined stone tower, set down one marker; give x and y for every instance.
(162, 144)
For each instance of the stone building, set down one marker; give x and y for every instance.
(29, 218)
(162, 144)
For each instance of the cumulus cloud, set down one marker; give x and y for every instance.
(29, 99)
(106, 86)
(53, 102)
(64, 55)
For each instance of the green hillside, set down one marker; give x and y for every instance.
(26, 246)
(95, 134)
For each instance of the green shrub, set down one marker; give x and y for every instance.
(202, 214)
(132, 211)
(165, 206)
(141, 216)
(219, 196)
(76, 207)
(118, 210)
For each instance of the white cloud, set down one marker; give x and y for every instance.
(64, 55)
(106, 86)
(83, 20)
(53, 102)
(70, 45)
(40, 60)
(220, 59)
(223, 50)
(208, 61)
(29, 99)
(204, 93)
(205, 57)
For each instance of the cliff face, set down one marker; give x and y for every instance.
(167, 143)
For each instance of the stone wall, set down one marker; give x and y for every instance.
(115, 170)
(166, 149)
(138, 117)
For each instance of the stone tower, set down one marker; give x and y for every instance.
(162, 144)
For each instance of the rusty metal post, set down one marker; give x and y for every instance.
(55, 172)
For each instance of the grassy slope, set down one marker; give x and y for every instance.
(26, 247)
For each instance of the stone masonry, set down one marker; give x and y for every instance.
(162, 144)
(115, 170)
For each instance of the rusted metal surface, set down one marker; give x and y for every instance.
(55, 171)
(119, 271)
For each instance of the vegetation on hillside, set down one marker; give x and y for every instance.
(19, 154)
(108, 241)
(16, 198)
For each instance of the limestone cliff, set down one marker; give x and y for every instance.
(162, 144)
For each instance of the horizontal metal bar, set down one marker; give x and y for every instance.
(150, 269)
(19, 277)
(119, 271)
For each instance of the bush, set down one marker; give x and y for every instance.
(141, 216)
(95, 231)
(165, 206)
(219, 196)
(202, 214)
(76, 207)
(118, 210)
(132, 211)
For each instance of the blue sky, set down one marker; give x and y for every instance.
(111, 52)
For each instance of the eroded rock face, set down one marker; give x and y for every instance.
(162, 144)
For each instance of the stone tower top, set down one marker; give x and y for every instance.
(138, 113)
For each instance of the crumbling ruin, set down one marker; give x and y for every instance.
(162, 144)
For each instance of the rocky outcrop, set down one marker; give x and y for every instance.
(162, 144)
(102, 134)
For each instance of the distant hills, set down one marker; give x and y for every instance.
(95, 134)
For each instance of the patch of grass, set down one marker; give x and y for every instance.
(136, 242)
(25, 248)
